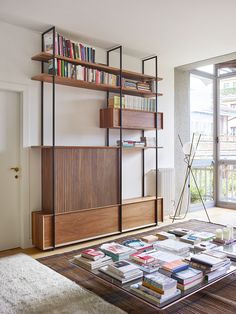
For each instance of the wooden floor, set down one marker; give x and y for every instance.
(217, 215)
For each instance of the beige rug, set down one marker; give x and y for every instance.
(27, 286)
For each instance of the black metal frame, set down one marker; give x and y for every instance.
(53, 30)
(156, 135)
(121, 131)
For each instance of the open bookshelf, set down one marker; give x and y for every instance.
(74, 178)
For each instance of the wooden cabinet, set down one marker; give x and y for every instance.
(131, 119)
(82, 225)
(85, 177)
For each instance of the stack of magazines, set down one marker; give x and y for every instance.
(156, 288)
(213, 263)
(123, 271)
(91, 259)
(117, 251)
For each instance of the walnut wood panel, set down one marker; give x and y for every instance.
(84, 178)
(45, 57)
(160, 209)
(47, 78)
(74, 227)
(42, 230)
(138, 214)
(131, 119)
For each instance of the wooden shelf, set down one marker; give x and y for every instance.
(140, 199)
(45, 57)
(74, 147)
(131, 119)
(47, 78)
(145, 147)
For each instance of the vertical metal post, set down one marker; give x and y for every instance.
(108, 131)
(156, 91)
(121, 132)
(143, 150)
(53, 142)
(42, 95)
(121, 138)
(156, 131)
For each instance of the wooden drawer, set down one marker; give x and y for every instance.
(140, 214)
(72, 227)
(131, 119)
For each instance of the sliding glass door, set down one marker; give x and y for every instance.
(226, 148)
(202, 123)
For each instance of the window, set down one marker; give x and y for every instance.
(226, 85)
(201, 121)
(233, 131)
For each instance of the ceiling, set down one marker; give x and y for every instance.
(180, 31)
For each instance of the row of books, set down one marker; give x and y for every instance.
(133, 102)
(78, 72)
(68, 48)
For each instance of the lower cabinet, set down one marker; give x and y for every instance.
(82, 225)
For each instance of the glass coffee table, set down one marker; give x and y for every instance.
(183, 295)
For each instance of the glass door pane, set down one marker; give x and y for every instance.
(227, 140)
(201, 122)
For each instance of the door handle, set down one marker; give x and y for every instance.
(16, 169)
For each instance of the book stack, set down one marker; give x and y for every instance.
(163, 235)
(204, 246)
(138, 245)
(123, 271)
(143, 86)
(130, 143)
(68, 48)
(179, 232)
(150, 238)
(195, 237)
(188, 278)
(174, 246)
(212, 263)
(91, 259)
(129, 84)
(133, 102)
(171, 268)
(191, 239)
(117, 251)
(145, 261)
(157, 288)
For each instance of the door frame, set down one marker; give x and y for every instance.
(24, 188)
(212, 77)
(220, 203)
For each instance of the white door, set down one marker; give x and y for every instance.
(9, 178)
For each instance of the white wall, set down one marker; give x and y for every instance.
(77, 113)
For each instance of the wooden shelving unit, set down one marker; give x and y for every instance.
(74, 178)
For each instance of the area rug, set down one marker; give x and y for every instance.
(29, 287)
(219, 298)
